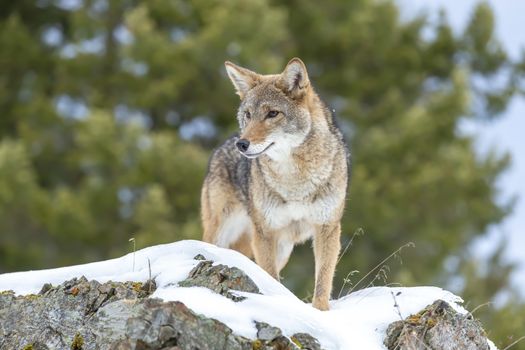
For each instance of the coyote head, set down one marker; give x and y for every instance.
(273, 115)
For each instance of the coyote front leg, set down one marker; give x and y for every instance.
(326, 251)
(264, 248)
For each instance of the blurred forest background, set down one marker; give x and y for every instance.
(109, 111)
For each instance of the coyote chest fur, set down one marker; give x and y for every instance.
(283, 180)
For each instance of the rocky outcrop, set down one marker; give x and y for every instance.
(82, 314)
(436, 327)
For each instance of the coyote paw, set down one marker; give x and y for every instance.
(321, 304)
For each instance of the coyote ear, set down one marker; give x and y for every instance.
(243, 79)
(295, 78)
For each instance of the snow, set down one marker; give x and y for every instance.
(356, 321)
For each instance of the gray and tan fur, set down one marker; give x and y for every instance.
(281, 182)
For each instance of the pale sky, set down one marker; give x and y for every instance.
(508, 132)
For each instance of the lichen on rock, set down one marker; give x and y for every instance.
(221, 279)
(86, 315)
(436, 327)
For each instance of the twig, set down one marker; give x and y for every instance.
(381, 274)
(396, 305)
(380, 265)
(345, 281)
(514, 343)
(480, 306)
(150, 282)
(422, 341)
(134, 248)
(358, 232)
(308, 298)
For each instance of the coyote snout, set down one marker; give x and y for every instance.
(250, 150)
(281, 182)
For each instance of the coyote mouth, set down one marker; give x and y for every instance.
(255, 155)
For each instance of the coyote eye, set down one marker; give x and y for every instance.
(247, 115)
(272, 114)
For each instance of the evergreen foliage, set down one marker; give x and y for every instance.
(109, 111)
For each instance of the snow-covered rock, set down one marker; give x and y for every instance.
(357, 321)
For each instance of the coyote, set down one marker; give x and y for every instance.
(283, 180)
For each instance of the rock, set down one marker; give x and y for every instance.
(436, 327)
(305, 341)
(84, 315)
(164, 325)
(63, 316)
(267, 332)
(46, 287)
(199, 257)
(221, 279)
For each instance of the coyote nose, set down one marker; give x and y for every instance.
(243, 145)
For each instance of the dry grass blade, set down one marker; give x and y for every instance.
(347, 281)
(380, 266)
(480, 306)
(514, 343)
(358, 232)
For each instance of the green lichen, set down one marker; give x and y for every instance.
(7, 292)
(257, 344)
(32, 296)
(137, 286)
(28, 347)
(77, 343)
(431, 322)
(296, 342)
